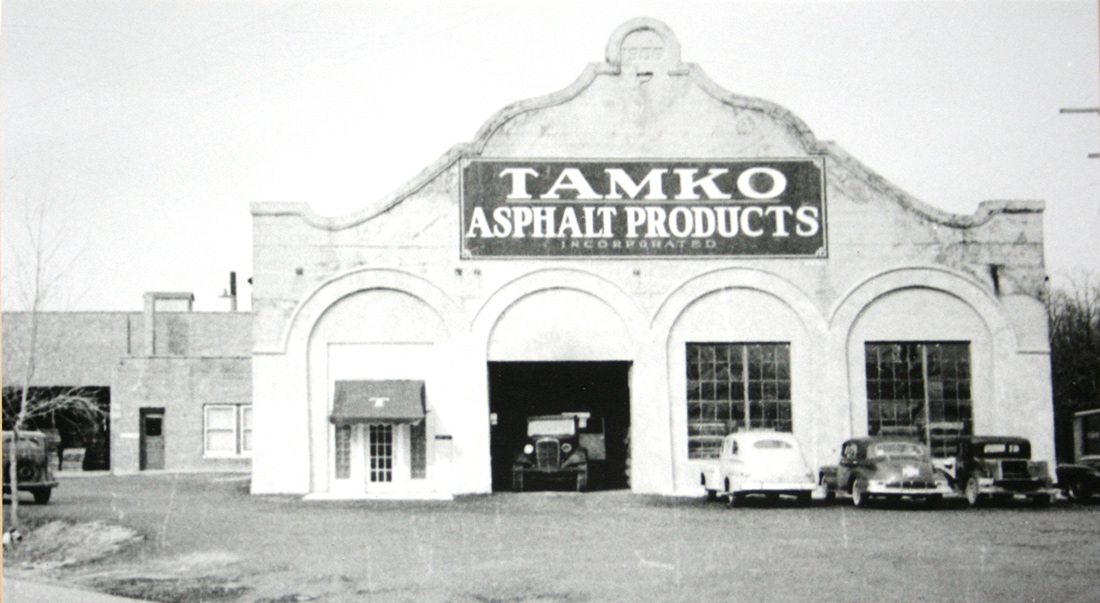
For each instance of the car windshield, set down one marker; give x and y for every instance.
(771, 444)
(896, 449)
(551, 427)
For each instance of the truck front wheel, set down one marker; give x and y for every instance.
(41, 495)
(973, 492)
(859, 493)
(582, 481)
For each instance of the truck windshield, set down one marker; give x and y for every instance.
(1005, 449)
(551, 427)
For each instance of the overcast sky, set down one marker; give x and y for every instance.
(151, 126)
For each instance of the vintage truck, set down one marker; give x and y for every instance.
(565, 446)
(999, 467)
(33, 467)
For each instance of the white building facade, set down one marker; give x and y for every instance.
(697, 261)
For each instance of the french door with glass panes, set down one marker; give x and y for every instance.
(370, 458)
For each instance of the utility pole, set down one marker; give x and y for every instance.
(1083, 110)
(1095, 110)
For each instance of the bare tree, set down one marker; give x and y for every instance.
(1074, 311)
(37, 265)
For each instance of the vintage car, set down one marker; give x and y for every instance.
(884, 467)
(566, 446)
(33, 467)
(769, 463)
(1080, 481)
(999, 467)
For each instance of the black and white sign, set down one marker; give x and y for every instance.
(628, 208)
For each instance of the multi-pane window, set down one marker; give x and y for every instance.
(343, 451)
(246, 428)
(732, 386)
(921, 389)
(418, 450)
(381, 453)
(227, 429)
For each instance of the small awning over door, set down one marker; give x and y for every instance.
(378, 402)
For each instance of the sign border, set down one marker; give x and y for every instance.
(464, 254)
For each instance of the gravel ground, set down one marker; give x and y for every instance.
(207, 539)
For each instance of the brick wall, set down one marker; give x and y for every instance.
(74, 348)
(203, 334)
(181, 386)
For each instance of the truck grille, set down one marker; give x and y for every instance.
(547, 454)
(1014, 470)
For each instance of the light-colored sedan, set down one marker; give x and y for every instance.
(764, 462)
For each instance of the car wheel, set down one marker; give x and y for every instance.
(517, 481)
(582, 481)
(711, 494)
(859, 493)
(1077, 492)
(972, 492)
(830, 494)
(730, 496)
(41, 495)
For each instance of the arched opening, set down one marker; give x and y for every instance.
(559, 357)
(920, 361)
(740, 359)
(373, 388)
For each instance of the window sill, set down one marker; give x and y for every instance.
(226, 455)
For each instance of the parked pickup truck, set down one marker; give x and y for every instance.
(33, 469)
(566, 446)
(999, 467)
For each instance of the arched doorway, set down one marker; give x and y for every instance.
(558, 351)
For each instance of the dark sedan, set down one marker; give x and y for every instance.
(1080, 481)
(884, 467)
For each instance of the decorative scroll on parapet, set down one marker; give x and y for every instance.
(644, 46)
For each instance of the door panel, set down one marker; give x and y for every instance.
(152, 439)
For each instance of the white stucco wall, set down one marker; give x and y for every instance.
(896, 269)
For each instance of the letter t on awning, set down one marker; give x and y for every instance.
(378, 402)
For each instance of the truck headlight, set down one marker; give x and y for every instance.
(528, 449)
(567, 447)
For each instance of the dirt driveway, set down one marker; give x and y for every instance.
(207, 539)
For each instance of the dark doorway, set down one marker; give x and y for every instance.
(518, 390)
(152, 439)
(72, 426)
